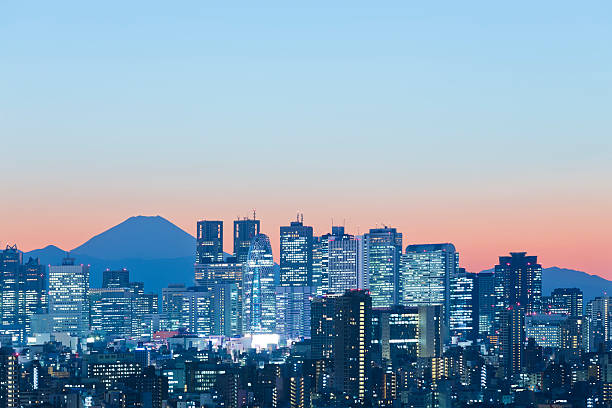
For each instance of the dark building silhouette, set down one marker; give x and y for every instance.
(244, 232)
(518, 281)
(351, 347)
(296, 254)
(9, 378)
(511, 339)
(116, 279)
(209, 242)
(567, 301)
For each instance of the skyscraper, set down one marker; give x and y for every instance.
(597, 324)
(512, 337)
(116, 279)
(431, 330)
(382, 251)
(10, 278)
(425, 275)
(209, 242)
(322, 316)
(462, 313)
(320, 260)
(351, 347)
(567, 301)
(296, 255)
(22, 292)
(518, 280)
(293, 311)
(258, 288)
(110, 311)
(68, 303)
(245, 231)
(485, 302)
(345, 262)
(9, 378)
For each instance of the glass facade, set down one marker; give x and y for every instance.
(258, 297)
(382, 250)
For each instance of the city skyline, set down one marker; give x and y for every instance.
(468, 261)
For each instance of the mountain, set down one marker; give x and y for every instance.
(154, 250)
(139, 237)
(591, 285)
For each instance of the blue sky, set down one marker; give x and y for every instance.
(198, 110)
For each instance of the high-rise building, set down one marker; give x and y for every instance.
(382, 251)
(545, 329)
(395, 333)
(432, 330)
(68, 302)
(116, 279)
(110, 311)
(227, 309)
(209, 242)
(296, 254)
(426, 271)
(597, 323)
(351, 347)
(9, 378)
(258, 288)
(293, 311)
(322, 316)
(225, 277)
(320, 260)
(461, 318)
(511, 339)
(485, 302)
(567, 301)
(172, 305)
(518, 280)
(345, 262)
(245, 230)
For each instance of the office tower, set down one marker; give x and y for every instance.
(518, 280)
(296, 254)
(116, 279)
(109, 368)
(258, 288)
(322, 315)
(345, 262)
(485, 302)
(426, 273)
(110, 311)
(172, 304)
(68, 302)
(209, 242)
(10, 278)
(597, 324)
(9, 378)
(461, 318)
(431, 330)
(212, 276)
(227, 310)
(571, 334)
(512, 337)
(245, 230)
(382, 251)
(545, 329)
(293, 311)
(144, 305)
(567, 301)
(351, 347)
(320, 256)
(197, 311)
(395, 334)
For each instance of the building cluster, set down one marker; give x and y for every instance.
(342, 321)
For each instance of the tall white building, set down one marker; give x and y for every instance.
(68, 302)
(258, 285)
(345, 263)
(426, 271)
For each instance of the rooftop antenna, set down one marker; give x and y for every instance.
(253, 214)
(302, 218)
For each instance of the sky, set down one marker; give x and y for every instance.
(484, 124)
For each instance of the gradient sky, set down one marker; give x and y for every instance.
(485, 124)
